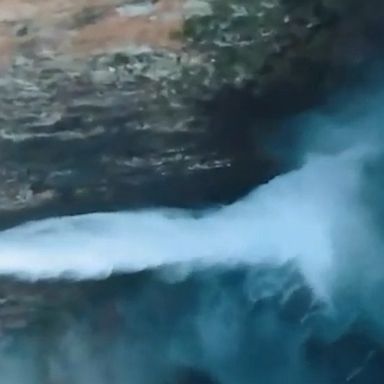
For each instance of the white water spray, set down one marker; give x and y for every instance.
(325, 217)
(293, 217)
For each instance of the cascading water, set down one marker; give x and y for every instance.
(282, 286)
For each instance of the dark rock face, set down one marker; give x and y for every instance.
(355, 349)
(107, 104)
(214, 326)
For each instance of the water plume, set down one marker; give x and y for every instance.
(293, 217)
(283, 285)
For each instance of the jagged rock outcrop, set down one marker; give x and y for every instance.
(114, 103)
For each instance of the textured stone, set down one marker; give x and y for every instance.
(108, 104)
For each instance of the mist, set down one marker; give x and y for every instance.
(292, 218)
(283, 285)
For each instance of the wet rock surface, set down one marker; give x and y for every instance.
(109, 104)
(213, 326)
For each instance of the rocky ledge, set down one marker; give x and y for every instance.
(107, 104)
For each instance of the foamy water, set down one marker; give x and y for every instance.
(291, 218)
(326, 217)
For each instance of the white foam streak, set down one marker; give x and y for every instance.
(292, 217)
